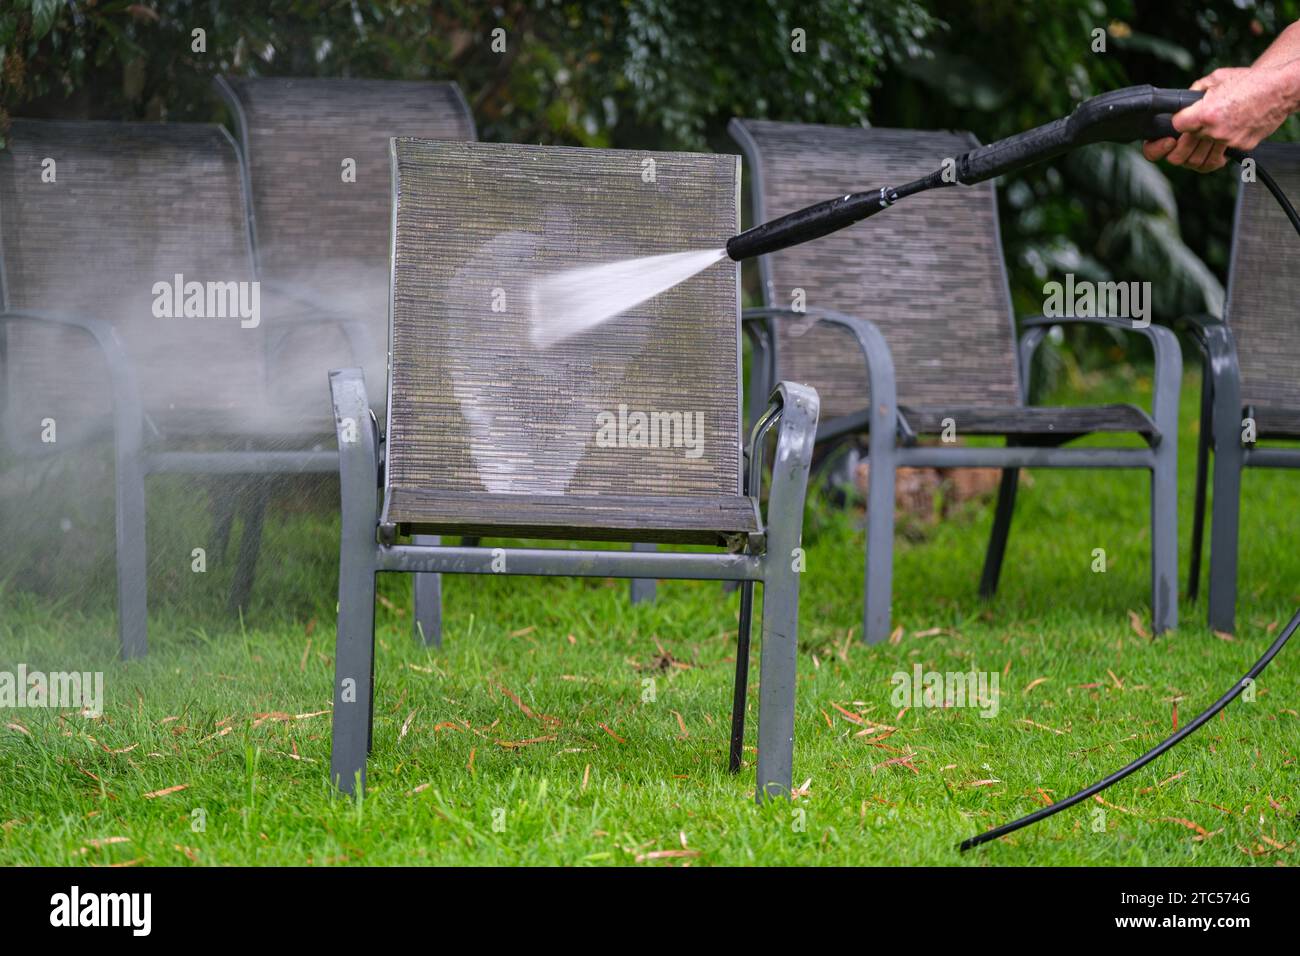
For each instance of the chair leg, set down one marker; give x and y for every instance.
(782, 563)
(1202, 468)
(132, 563)
(370, 704)
(880, 542)
(741, 688)
(643, 589)
(223, 519)
(1001, 530)
(1224, 517)
(1164, 537)
(428, 600)
(776, 679)
(250, 543)
(354, 651)
(354, 663)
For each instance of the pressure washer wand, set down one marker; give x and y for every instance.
(813, 222)
(1121, 116)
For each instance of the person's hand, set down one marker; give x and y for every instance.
(1190, 149)
(1241, 107)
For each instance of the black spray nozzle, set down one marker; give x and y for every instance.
(813, 222)
(1121, 116)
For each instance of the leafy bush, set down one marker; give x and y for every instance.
(668, 74)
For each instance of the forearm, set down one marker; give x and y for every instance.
(1282, 50)
(1283, 81)
(1242, 106)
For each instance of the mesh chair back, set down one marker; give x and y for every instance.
(317, 156)
(297, 135)
(95, 219)
(486, 430)
(1263, 303)
(930, 274)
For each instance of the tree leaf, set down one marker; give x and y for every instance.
(1123, 176)
(962, 80)
(43, 13)
(1153, 251)
(1158, 47)
(1056, 255)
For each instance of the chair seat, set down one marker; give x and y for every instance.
(700, 520)
(1273, 422)
(1045, 420)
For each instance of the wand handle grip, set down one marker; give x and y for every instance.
(1122, 116)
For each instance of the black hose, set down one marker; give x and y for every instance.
(1151, 754)
(1223, 701)
(1276, 190)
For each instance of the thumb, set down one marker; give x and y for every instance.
(1189, 120)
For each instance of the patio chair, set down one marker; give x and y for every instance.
(83, 243)
(327, 238)
(487, 435)
(939, 349)
(315, 152)
(1249, 374)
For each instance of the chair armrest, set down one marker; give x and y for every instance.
(1199, 321)
(356, 431)
(793, 409)
(1221, 375)
(360, 341)
(876, 357)
(124, 388)
(312, 308)
(1215, 339)
(1164, 343)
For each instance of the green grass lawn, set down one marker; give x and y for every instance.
(560, 725)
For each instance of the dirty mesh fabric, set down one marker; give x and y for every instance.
(1263, 307)
(928, 273)
(131, 205)
(317, 155)
(485, 428)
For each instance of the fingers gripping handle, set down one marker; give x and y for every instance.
(1161, 124)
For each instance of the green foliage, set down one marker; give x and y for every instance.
(668, 74)
(1122, 177)
(1150, 244)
